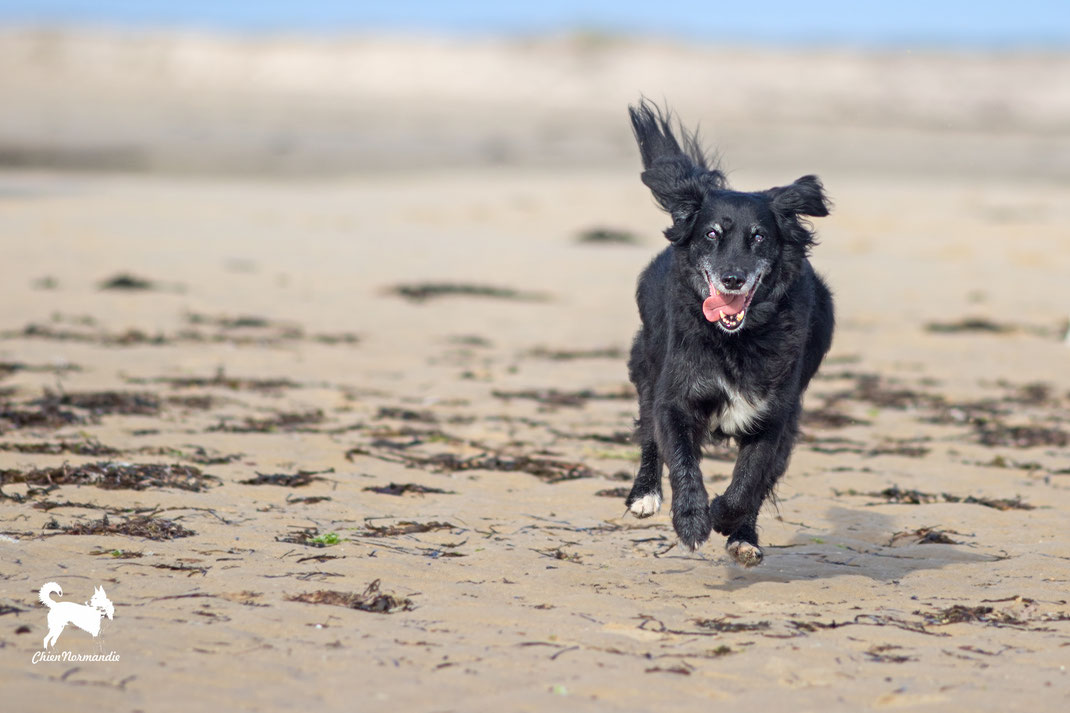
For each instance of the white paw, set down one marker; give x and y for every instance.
(646, 505)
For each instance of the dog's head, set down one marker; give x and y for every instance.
(100, 601)
(735, 247)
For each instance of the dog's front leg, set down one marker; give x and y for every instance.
(679, 432)
(763, 458)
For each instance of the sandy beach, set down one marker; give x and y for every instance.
(312, 354)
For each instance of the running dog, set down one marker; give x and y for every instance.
(735, 323)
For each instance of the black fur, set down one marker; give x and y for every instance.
(698, 378)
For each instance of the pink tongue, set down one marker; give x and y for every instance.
(715, 306)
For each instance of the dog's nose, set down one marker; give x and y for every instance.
(733, 279)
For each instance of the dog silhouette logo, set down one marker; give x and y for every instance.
(85, 616)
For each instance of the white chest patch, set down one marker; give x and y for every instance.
(738, 415)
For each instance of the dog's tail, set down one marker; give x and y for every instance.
(50, 588)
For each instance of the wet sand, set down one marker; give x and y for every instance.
(359, 440)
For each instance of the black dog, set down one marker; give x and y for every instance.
(734, 324)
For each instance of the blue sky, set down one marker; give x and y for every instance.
(904, 22)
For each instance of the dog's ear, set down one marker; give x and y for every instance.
(804, 197)
(678, 176)
(678, 191)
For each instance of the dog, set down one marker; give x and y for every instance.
(85, 616)
(734, 324)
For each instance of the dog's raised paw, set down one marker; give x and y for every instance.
(745, 553)
(646, 505)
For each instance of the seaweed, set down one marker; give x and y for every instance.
(730, 627)
(287, 480)
(88, 447)
(836, 446)
(47, 282)
(225, 322)
(336, 339)
(607, 236)
(103, 402)
(146, 526)
(924, 536)
(618, 438)
(574, 354)
(114, 476)
(614, 492)
(970, 324)
(681, 669)
(405, 527)
(309, 500)
(1036, 393)
(127, 281)
(424, 291)
(877, 654)
(958, 614)
(898, 496)
(826, 417)
(277, 335)
(198, 402)
(370, 600)
(47, 505)
(220, 380)
(812, 626)
(555, 398)
(310, 537)
(118, 554)
(130, 337)
(8, 368)
(48, 415)
(469, 340)
(198, 454)
(560, 554)
(874, 390)
(402, 414)
(403, 488)
(281, 422)
(1022, 436)
(551, 470)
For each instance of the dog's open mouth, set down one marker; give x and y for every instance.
(728, 309)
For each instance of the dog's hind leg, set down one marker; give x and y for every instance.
(645, 498)
(822, 324)
(763, 458)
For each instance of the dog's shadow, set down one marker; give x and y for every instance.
(859, 542)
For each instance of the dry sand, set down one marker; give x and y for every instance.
(917, 557)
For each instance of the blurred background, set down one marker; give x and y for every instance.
(397, 242)
(328, 87)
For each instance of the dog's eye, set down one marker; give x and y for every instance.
(715, 233)
(758, 237)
